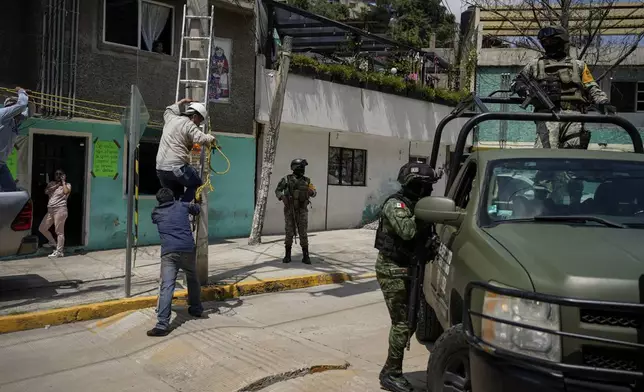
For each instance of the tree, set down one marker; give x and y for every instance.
(335, 11)
(599, 33)
(416, 20)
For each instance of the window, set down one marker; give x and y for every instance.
(464, 191)
(142, 24)
(347, 166)
(148, 147)
(623, 96)
(522, 189)
(640, 97)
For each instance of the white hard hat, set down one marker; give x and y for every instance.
(196, 107)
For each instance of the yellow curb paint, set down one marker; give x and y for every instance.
(102, 310)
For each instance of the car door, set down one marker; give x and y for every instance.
(439, 270)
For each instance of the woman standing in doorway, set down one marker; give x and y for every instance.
(58, 192)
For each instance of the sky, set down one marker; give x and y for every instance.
(455, 7)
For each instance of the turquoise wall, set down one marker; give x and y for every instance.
(231, 205)
(488, 79)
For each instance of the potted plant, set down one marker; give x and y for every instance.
(324, 72)
(337, 72)
(304, 65)
(388, 84)
(414, 91)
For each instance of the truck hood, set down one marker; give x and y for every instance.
(591, 262)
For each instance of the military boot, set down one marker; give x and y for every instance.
(305, 255)
(391, 378)
(287, 256)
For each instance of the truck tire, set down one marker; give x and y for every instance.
(449, 362)
(428, 328)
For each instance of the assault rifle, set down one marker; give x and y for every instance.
(424, 251)
(534, 94)
(291, 203)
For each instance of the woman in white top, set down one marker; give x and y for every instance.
(58, 192)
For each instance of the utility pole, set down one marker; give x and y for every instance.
(198, 71)
(270, 142)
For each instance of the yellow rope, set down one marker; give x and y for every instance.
(208, 183)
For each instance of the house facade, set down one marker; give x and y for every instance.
(87, 54)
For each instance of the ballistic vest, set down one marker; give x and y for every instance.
(299, 189)
(388, 242)
(561, 80)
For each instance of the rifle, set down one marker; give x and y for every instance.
(291, 202)
(535, 93)
(424, 250)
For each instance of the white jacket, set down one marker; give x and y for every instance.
(179, 135)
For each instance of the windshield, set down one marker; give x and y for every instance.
(522, 189)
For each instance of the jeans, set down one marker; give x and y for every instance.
(170, 264)
(185, 176)
(7, 184)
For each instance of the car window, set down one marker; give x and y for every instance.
(525, 188)
(464, 191)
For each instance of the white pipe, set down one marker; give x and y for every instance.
(71, 60)
(41, 83)
(59, 55)
(48, 63)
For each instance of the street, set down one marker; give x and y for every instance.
(298, 340)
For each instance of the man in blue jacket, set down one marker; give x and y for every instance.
(177, 252)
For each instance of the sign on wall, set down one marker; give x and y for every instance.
(106, 158)
(220, 70)
(12, 163)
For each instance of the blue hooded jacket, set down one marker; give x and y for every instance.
(173, 224)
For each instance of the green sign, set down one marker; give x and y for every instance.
(12, 163)
(106, 158)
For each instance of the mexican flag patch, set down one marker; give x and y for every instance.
(400, 205)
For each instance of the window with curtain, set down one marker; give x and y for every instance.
(143, 24)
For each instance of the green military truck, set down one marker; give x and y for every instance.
(538, 280)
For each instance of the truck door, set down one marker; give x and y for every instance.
(460, 192)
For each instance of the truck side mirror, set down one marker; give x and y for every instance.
(440, 210)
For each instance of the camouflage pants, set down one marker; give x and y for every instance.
(559, 135)
(302, 221)
(394, 286)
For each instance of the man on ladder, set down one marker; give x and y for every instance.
(180, 132)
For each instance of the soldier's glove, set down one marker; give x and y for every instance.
(607, 108)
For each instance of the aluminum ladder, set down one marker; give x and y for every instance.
(189, 65)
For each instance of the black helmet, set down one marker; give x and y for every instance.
(555, 41)
(416, 171)
(298, 164)
(553, 32)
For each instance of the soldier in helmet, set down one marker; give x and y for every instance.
(395, 241)
(569, 84)
(294, 191)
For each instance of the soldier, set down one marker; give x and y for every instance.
(395, 241)
(569, 84)
(294, 191)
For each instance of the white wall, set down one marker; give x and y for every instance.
(349, 204)
(331, 106)
(294, 143)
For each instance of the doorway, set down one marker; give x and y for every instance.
(50, 153)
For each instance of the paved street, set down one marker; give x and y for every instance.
(267, 342)
(41, 283)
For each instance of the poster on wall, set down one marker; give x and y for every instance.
(106, 156)
(220, 70)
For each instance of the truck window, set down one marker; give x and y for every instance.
(464, 191)
(521, 189)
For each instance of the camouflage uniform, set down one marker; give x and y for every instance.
(397, 218)
(302, 189)
(565, 135)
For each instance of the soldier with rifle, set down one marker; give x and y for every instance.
(569, 85)
(294, 191)
(399, 240)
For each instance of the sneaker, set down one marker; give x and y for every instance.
(195, 313)
(158, 332)
(56, 254)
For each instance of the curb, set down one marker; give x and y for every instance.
(46, 318)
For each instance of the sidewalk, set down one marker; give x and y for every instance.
(41, 283)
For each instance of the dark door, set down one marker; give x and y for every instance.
(50, 153)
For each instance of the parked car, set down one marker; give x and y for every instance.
(16, 219)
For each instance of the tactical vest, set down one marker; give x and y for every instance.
(561, 80)
(389, 243)
(299, 189)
